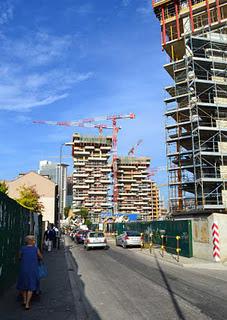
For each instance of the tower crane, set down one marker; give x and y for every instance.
(132, 150)
(88, 123)
(153, 171)
(99, 126)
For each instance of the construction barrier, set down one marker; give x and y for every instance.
(164, 248)
(15, 223)
(162, 232)
(216, 247)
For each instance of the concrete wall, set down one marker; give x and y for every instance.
(221, 221)
(49, 211)
(202, 239)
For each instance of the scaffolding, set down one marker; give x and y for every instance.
(196, 117)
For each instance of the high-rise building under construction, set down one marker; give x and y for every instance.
(93, 187)
(136, 192)
(91, 177)
(194, 35)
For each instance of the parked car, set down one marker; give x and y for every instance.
(72, 233)
(80, 236)
(129, 239)
(95, 239)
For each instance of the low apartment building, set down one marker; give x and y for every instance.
(46, 189)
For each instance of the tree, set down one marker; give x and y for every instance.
(3, 187)
(83, 213)
(88, 223)
(66, 211)
(29, 198)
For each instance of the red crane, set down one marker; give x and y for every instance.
(88, 124)
(99, 126)
(153, 171)
(132, 150)
(114, 119)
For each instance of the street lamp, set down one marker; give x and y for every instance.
(61, 189)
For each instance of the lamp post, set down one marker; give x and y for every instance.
(60, 185)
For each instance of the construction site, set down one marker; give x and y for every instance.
(103, 181)
(194, 36)
(135, 187)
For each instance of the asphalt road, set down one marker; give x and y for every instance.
(124, 284)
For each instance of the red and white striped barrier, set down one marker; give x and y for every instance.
(216, 247)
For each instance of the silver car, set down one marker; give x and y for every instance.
(129, 239)
(95, 239)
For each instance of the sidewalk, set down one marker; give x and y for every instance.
(56, 301)
(185, 262)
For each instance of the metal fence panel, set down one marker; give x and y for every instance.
(169, 229)
(15, 224)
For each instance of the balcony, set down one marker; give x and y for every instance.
(80, 175)
(79, 164)
(157, 3)
(80, 187)
(97, 192)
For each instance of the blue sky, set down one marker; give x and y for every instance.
(73, 59)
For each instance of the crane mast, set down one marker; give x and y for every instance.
(88, 123)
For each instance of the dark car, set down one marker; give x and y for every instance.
(80, 236)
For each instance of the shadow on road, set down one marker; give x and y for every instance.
(84, 309)
(57, 302)
(171, 293)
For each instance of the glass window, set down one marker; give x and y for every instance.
(133, 233)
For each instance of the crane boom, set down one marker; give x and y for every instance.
(109, 117)
(73, 124)
(155, 170)
(87, 123)
(132, 150)
(99, 126)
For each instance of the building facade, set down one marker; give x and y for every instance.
(134, 187)
(69, 194)
(91, 176)
(46, 189)
(155, 201)
(194, 36)
(57, 172)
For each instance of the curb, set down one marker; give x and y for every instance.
(179, 264)
(200, 265)
(80, 312)
(82, 308)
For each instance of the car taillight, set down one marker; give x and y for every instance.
(88, 241)
(126, 237)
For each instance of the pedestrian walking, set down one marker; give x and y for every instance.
(49, 237)
(28, 279)
(57, 238)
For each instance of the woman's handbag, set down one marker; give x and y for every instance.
(42, 270)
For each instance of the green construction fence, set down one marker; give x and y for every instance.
(15, 223)
(161, 232)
